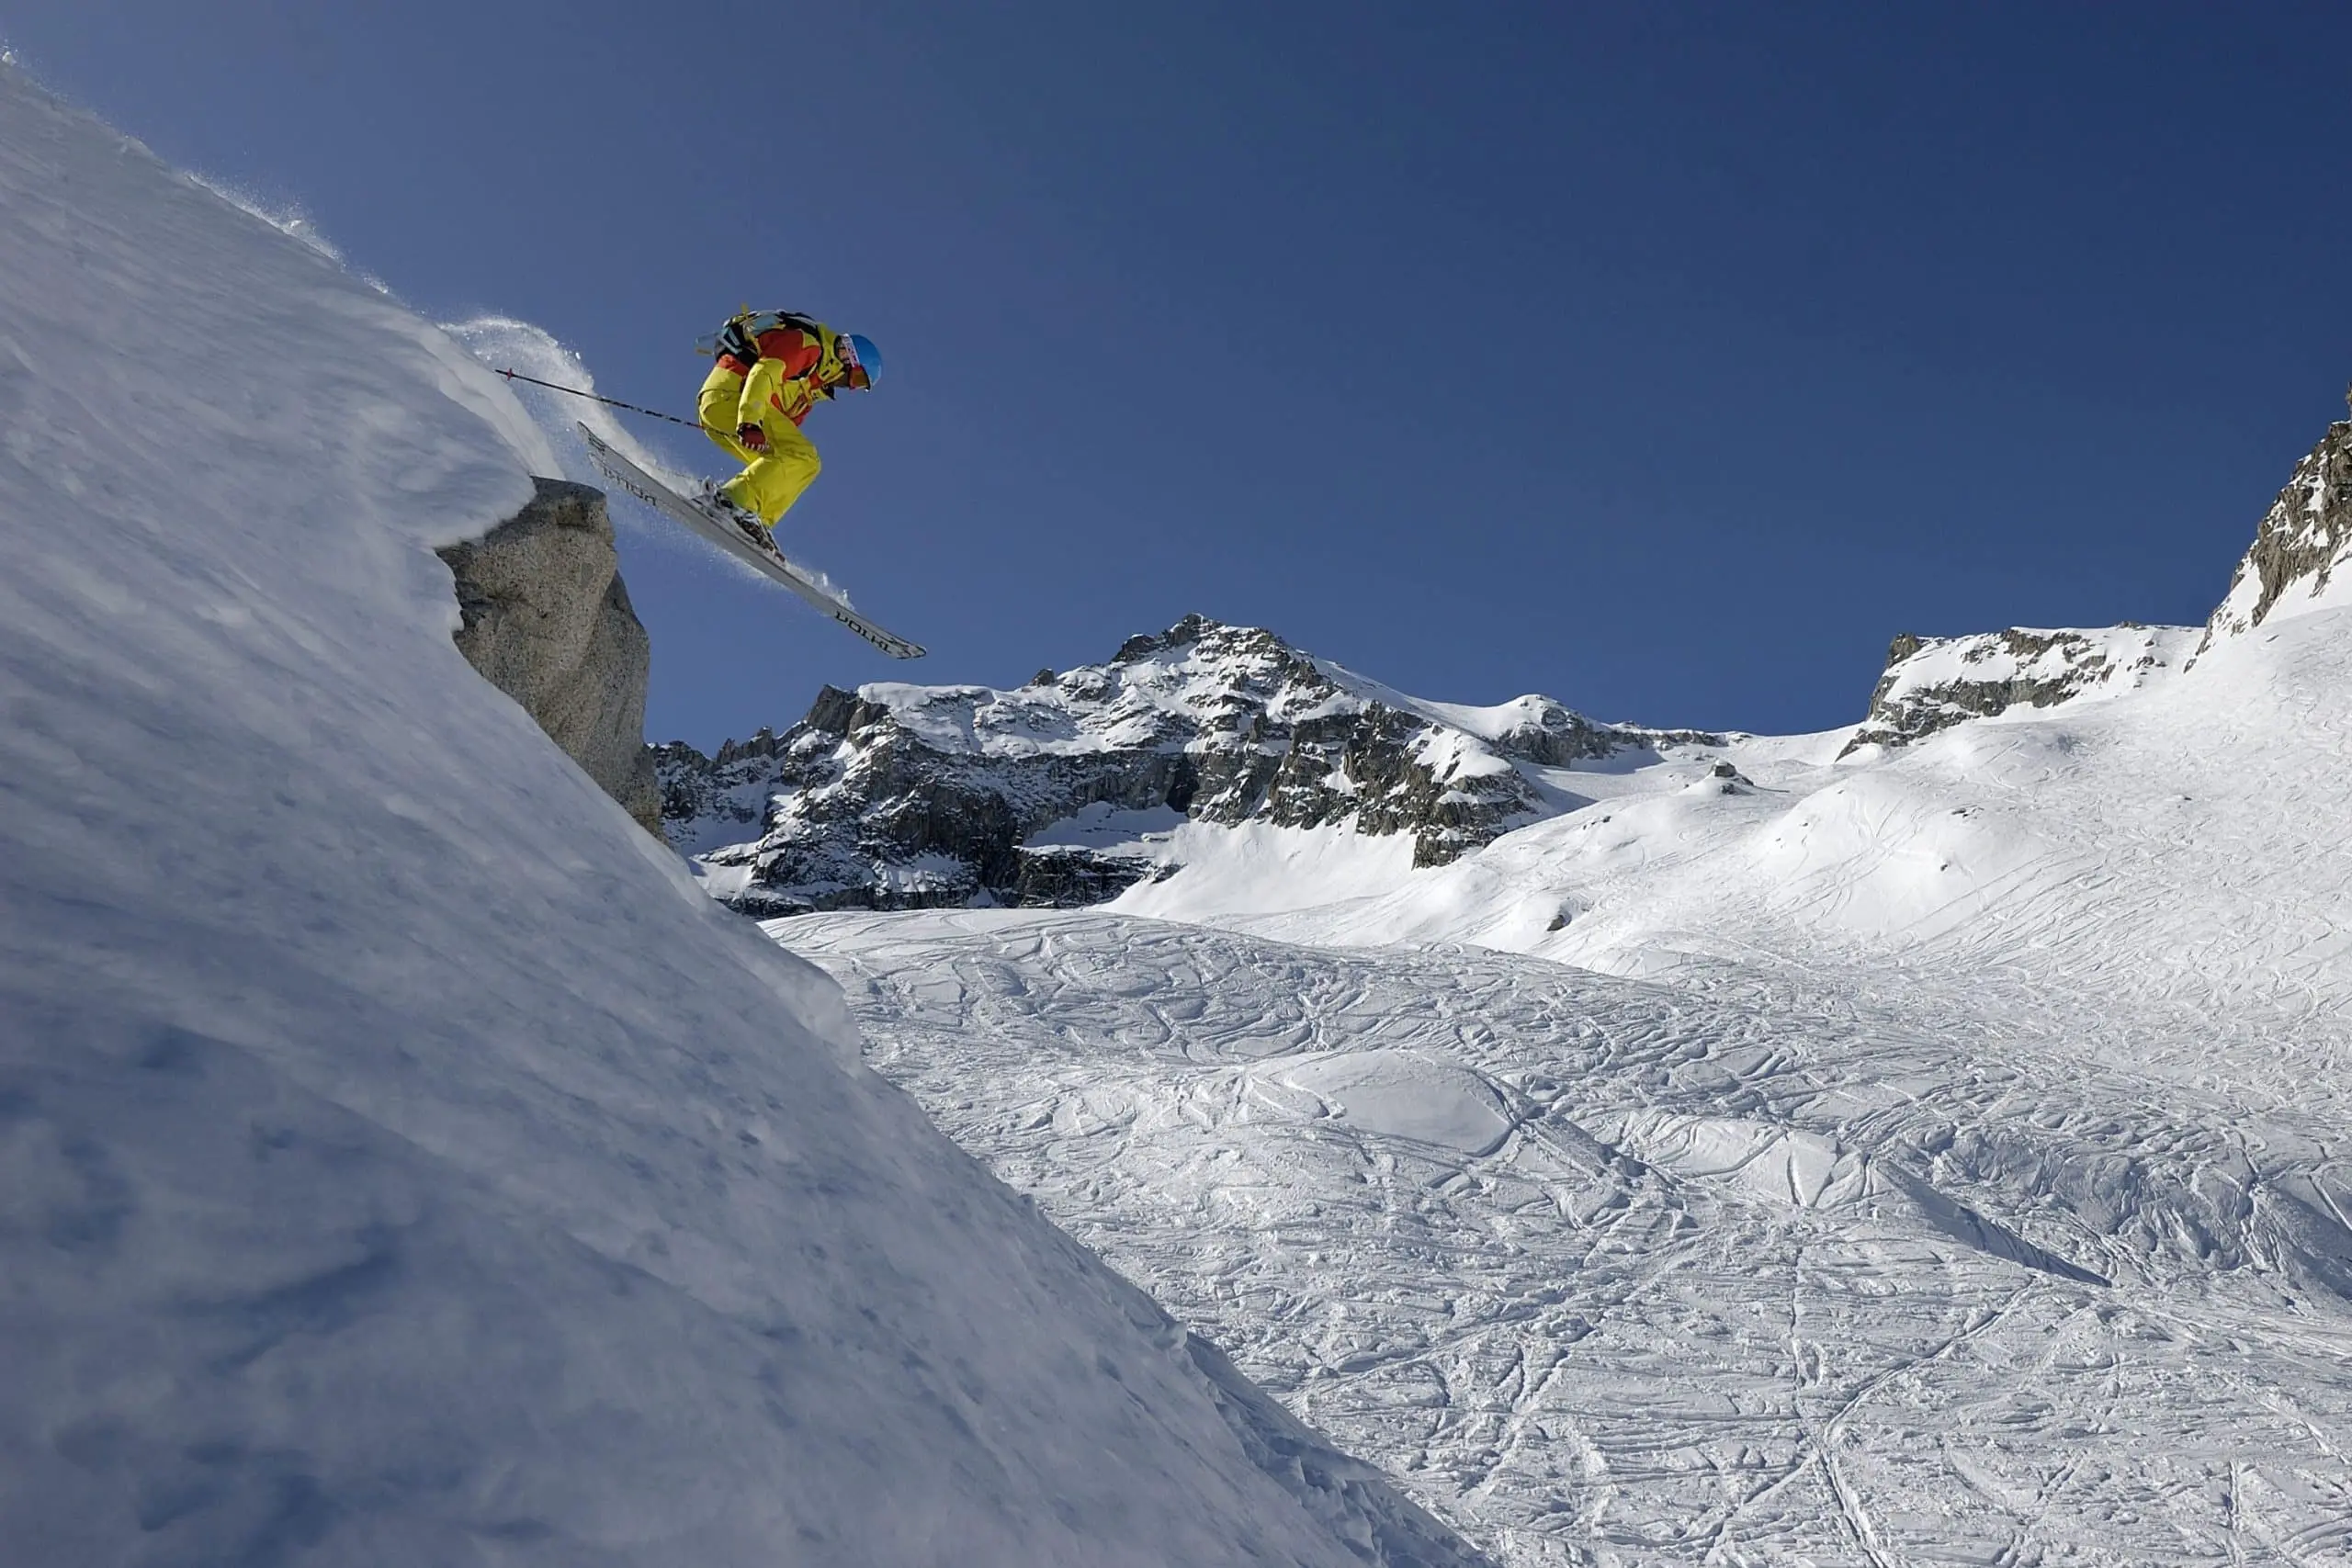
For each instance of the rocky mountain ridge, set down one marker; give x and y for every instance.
(1068, 790)
(2299, 545)
(899, 797)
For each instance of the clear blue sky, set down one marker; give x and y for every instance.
(1664, 358)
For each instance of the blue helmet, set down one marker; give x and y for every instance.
(863, 355)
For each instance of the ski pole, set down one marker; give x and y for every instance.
(593, 398)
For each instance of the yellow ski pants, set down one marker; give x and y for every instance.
(771, 481)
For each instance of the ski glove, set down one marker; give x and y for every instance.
(753, 437)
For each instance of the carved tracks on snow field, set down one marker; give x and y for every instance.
(1611, 1272)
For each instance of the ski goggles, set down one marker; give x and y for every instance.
(852, 372)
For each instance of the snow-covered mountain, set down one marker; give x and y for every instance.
(1198, 745)
(400, 1161)
(1071, 788)
(1218, 769)
(1932, 683)
(2301, 544)
(1928, 1150)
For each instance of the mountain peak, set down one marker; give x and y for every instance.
(1070, 789)
(1188, 630)
(2298, 546)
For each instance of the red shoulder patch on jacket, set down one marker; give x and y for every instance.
(798, 350)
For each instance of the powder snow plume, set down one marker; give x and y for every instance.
(287, 218)
(503, 343)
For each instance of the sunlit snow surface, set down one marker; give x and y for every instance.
(1933, 1159)
(402, 1163)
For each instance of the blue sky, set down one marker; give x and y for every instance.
(1668, 359)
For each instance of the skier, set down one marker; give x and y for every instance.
(773, 366)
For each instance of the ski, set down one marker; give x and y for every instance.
(776, 565)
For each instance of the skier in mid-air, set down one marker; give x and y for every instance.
(771, 368)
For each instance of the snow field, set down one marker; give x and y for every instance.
(1756, 1274)
(1931, 1157)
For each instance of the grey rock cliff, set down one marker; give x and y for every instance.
(547, 620)
(2297, 545)
(1932, 683)
(2301, 543)
(907, 797)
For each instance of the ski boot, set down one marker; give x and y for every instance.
(715, 501)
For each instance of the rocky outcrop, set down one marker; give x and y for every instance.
(547, 620)
(1932, 683)
(707, 802)
(2300, 545)
(2298, 561)
(1064, 791)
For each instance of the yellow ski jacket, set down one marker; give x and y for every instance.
(796, 368)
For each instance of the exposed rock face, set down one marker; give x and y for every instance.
(2296, 562)
(1932, 683)
(707, 802)
(547, 620)
(2301, 544)
(908, 796)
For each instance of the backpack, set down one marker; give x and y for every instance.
(740, 335)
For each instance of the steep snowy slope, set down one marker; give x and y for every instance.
(1925, 1153)
(400, 1162)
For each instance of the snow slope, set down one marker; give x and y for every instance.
(2176, 845)
(1610, 1272)
(1781, 1156)
(400, 1162)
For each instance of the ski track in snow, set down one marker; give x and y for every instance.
(1752, 1276)
(1933, 1160)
